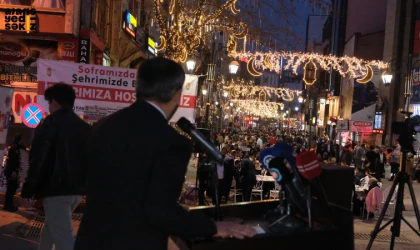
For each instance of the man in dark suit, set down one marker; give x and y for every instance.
(137, 164)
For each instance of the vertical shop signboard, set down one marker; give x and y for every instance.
(416, 45)
(99, 57)
(415, 99)
(84, 51)
(67, 50)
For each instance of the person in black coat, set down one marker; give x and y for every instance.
(11, 172)
(57, 166)
(249, 178)
(137, 164)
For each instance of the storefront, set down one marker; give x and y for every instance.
(18, 69)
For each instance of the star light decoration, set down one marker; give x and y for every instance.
(240, 89)
(257, 108)
(184, 30)
(347, 66)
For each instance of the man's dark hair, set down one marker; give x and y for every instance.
(61, 93)
(159, 79)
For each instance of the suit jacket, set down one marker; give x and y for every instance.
(137, 164)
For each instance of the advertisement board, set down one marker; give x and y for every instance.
(18, 58)
(361, 126)
(102, 90)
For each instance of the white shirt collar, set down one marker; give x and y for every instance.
(159, 109)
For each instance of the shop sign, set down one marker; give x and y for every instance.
(416, 42)
(343, 125)
(67, 50)
(99, 57)
(16, 73)
(361, 126)
(84, 50)
(11, 52)
(20, 100)
(20, 19)
(151, 46)
(130, 24)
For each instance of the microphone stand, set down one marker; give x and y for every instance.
(215, 181)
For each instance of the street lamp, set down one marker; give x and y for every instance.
(233, 67)
(190, 64)
(386, 78)
(300, 99)
(296, 109)
(204, 92)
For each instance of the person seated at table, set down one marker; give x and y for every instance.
(372, 183)
(258, 168)
(366, 164)
(358, 175)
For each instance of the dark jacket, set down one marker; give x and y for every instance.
(57, 160)
(13, 160)
(137, 166)
(346, 157)
(248, 172)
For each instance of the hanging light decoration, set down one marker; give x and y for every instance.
(347, 66)
(184, 30)
(257, 108)
(239, 89)
(309, 73)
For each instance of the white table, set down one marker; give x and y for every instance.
(265, 178)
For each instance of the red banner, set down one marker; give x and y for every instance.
(99, 57)
(96, 93)
(416, 45)
(67, 49)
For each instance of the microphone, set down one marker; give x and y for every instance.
(200, 139)
(284, 175)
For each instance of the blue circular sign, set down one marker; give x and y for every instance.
(32, 114)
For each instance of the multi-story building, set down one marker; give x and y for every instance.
(314, 25)
(402, 39)
(30, 30)
(355, 29)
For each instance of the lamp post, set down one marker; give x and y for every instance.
(211, 72)
(311, 107)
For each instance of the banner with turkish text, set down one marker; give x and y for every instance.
(187, 104)
(100, 90)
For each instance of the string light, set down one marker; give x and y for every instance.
(347, 66)
(239, 89)
(185, 30)
(257, 108)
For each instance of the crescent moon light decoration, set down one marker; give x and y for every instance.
(251, 69)
(368, 76)
(233, 8)
(162, 44)
(243, 33)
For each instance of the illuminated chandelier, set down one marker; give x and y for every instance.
(184, 30)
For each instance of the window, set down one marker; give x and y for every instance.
(101, 20)
(378, 121)
(106, 60)
(51, 4)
